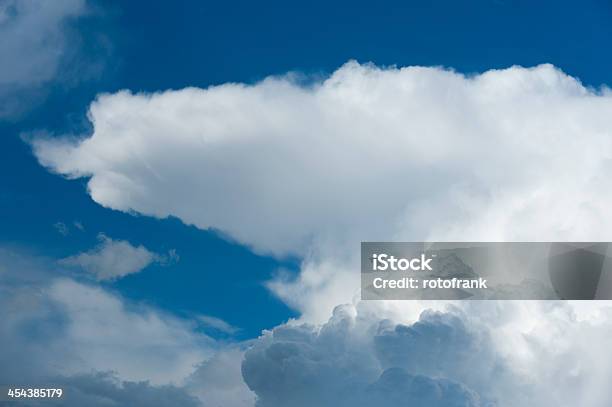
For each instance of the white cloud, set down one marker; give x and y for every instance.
(369, 153)
(33, 41)
(113, 259)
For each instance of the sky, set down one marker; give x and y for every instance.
(195, 176)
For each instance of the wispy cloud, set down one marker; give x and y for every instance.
(217, 324)
(113, 259)
(33, 41)
(61, 228)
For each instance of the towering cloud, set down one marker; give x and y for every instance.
(377, 154)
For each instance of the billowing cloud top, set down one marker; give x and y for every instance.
(488, 354)
(368, 153)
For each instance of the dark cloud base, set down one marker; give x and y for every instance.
(388, 365)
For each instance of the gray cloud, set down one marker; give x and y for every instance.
(341, 365)
(113, 259)
(482, 354)
(396, 387)
(104, 389)
(218, 380)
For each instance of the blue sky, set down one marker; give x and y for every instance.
(262, 221)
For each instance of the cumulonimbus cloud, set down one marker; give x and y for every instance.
(377, 154)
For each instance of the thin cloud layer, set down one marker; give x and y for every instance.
(113, 259)
(32, 45)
